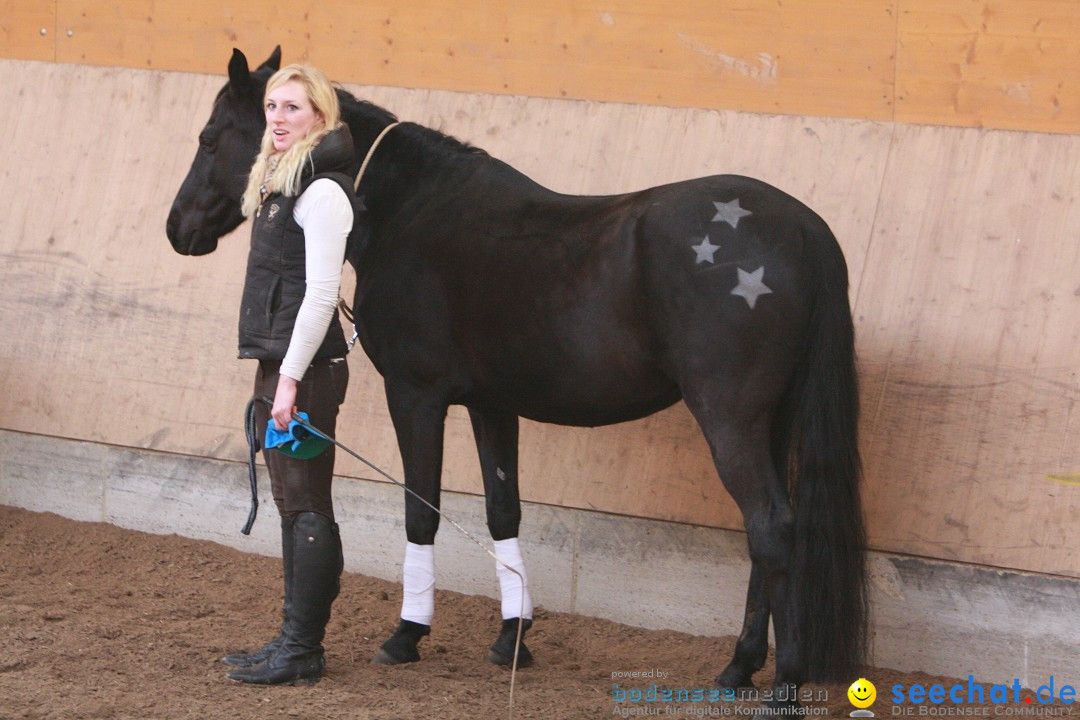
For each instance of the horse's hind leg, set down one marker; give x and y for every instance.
(753, 645)
(419, 423)
(741, 451)
(497, 443)
(752, 648)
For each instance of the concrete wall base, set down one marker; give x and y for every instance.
(932, 616)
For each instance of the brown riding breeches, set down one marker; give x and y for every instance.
(304, 485)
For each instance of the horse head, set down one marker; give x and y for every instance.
(207, 207)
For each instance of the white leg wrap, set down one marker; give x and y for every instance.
(510, 587)
(418, 582)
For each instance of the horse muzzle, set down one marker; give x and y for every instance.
(185, 237)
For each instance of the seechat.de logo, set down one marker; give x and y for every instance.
(1004, 699)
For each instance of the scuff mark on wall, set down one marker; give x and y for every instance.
(764, 70)
(1021, 92)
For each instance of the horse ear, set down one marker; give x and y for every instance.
(274, 61)
(239, 74)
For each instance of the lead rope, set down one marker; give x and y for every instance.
(370, 152)
(249, 433)
(524, 586)
(345, 309)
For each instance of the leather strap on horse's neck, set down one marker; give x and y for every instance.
(342, 305)
(370, 152)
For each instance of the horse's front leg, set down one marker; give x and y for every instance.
(419, 421)
(497, 443)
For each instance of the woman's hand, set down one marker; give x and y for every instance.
(284, 402)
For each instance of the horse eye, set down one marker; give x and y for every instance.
(207, 144)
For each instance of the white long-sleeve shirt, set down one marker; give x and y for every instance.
(325, 214)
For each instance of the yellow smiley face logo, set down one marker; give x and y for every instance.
(862, 693)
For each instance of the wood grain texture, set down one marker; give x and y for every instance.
(977, 63)
(28, 29)
(813, 57)
(989, 63)
(969, 327)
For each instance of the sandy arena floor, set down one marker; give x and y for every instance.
(100, 622)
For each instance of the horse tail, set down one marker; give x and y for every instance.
(820, 436)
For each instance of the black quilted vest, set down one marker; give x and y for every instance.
(275, 282)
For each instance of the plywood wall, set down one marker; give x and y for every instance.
(969, 311)
(978, 63)
(961, 242)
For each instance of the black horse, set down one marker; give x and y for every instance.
(478, 287)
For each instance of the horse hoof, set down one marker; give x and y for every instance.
(502, 652)
(525, 658)
(737, 681)
(384, 658)
(401, 647)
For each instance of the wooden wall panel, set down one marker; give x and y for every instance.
(969, 312)
(28, 29)
(993, 63)
(813, 57)
(101, 337)
(984, 63)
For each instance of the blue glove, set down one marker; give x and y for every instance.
(296, 440)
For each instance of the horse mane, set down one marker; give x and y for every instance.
(428, 142)
(355, 110)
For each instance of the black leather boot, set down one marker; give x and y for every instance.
(256, 657)
(316, 581)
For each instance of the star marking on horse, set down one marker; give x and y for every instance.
(730, 212)
(750, 286)
(705, 251)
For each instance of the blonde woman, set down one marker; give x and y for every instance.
(299, 195)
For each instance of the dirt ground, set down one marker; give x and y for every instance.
(100, 622)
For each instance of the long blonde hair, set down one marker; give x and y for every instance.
(289, 165)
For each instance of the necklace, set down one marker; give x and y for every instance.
(264, 189)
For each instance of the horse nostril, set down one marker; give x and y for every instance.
(172, 225)
(174, 231)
